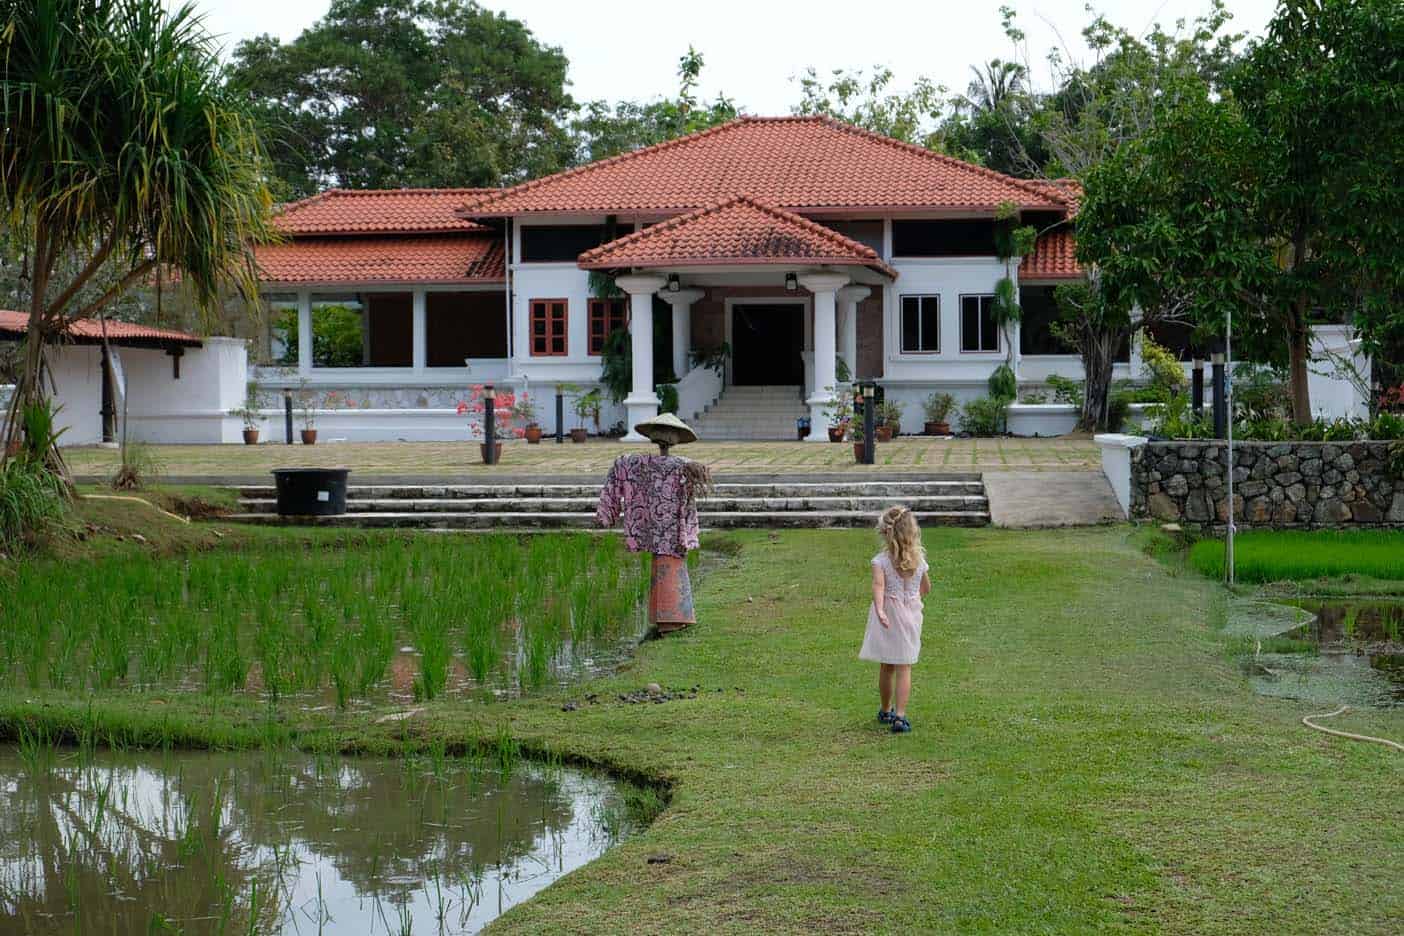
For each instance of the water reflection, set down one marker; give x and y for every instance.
(284, 843)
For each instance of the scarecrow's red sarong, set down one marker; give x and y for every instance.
(670, 596)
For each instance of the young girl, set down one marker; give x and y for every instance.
(893, 638)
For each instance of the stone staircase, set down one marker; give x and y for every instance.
(941, 500)
(752, 413)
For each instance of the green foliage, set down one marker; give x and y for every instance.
(1166, 371)
(30, 497)
(1006, 304)
(889, 413)
(1003, 385)
(1260, 393)
(617, 364)
(1065, 389)
(937, 407)
(841, 410)
(407, 93)
(603, 286)
(985, 416)
(1396, 460)
(714, 358)
(1174, 418)
(868, 100)
(587, 406)
(141, 467)
(667, 397)
(1297, 556)
(841, 372)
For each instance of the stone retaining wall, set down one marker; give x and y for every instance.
(1287, 484)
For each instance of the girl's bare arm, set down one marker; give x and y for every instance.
(925, 584)
(879, 593)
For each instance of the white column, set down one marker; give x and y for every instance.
(848, 298)
(420, 340)
(642, 403)
(681, 301)
(304, 333)
(823, 286)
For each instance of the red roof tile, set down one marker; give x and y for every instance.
(1053, 257)
(738, 230)
(427, 259)
(793, 162)
(378, 211)
(89, 331)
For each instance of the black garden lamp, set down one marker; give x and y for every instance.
(869, 424)
(489, 425)
(287, 413)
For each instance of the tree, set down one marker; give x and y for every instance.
(387, 93)
(866, 99)
(1270, 203)
(123, 155)
(601, 130)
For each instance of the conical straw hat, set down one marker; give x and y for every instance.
(666, 429)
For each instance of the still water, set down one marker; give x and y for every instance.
(255, 842)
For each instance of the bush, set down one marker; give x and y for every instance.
(1003, 384)
(938, 406)
(1065, 390)
(1175, 419)
(1166, 372)
(984, 416)
(667, 397)
(30, 497)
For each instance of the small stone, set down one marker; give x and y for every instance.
(569, 707)
(1396, 509)
(663, 858)
(1197, 507)
(138, 538)
(1170, 528)
(653, 688)
(1345, 462)
(1177, 486)
(1259, 510)
(1286, 512)
(1331, 511)
(1366, 512)
(1163, 507)
(1296, 492)
(1310, 468)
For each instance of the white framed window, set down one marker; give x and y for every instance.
(921, 324)
(978, 331)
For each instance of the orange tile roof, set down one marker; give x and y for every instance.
(1053, 257)
(800, 163)
(738, 230)
(378, 211)
(425, 259)
(89, 331)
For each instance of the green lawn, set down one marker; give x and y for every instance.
(1086, 757)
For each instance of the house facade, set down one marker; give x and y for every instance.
(803, 246)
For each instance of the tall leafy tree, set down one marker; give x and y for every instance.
(123, 154)
(1280, 202)
(868, 99)
(386, 93)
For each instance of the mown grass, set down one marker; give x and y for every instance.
(1086, 757)
(1272, 556)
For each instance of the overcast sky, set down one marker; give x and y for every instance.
(754, 49)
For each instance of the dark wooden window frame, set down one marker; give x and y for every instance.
(609, 314)
(543, 310)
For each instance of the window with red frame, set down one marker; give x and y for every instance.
(606, 315)
(549, 322)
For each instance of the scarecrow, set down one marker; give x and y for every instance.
(656, 495)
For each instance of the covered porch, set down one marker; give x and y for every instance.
(780, 292)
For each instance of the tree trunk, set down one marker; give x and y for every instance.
(1098, 351)
(1299, 352)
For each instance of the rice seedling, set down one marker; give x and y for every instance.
(1271, 556)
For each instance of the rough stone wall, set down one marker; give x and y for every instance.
(1288, 484)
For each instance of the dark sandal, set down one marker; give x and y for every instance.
(900, 725)
(885, 717)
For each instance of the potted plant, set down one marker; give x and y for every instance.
(937, 408)
(840, 412)
(307, 405)
(503, 403)
(855, 435)
(587, 407)
(524, 409)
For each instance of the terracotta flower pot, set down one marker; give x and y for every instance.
(250, 436)
(937, 429)
(858, 452)
(836, 433)
(533, 434)
(579, 435)
(493, 457)
(309, 437)
(884, 433)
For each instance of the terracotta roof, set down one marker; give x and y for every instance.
(422, 259)
(792, 162)
(378, 211)
(14, 325)
(738, 230)
(1053, 257)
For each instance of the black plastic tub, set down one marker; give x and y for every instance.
(311, 492)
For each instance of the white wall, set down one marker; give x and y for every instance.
(77, 371)
(949, 278)
(193, 408)
(1337, 374)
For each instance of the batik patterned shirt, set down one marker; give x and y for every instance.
(654, 496)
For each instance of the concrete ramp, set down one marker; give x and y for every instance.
(1033, 499)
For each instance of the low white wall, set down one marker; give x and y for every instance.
(194, 408)
(1116, 464)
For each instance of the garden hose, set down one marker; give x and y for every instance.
(1307, 720)
(135, 500)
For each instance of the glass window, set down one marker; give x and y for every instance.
(606, 316)
(549, 323)
(563, 243)
(952, 238)
(281, 350)
(1038, 314)
(978, 331)
(921, 324)
(368, 330)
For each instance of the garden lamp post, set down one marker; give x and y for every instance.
(287, 414)
(869, 425)
(1220, 410)
(560, 414)
(489, 425)
(1197, 386)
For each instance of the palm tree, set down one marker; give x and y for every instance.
(993, 85)
(122, 154)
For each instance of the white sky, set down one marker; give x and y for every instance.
(755, 48)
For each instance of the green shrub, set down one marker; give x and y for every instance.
(30, 497)
(984, 416)
(938, 406)
(1003, 384)
(1175, 419)
(1065, 390)
(1274, 556)
(1165, 369)
(667, 397)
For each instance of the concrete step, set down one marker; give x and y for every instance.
(586, 505)
(886, 489)
(507, 521)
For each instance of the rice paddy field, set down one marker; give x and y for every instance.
(403, 619)
(1271, 556)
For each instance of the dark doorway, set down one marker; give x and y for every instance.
(767, 344)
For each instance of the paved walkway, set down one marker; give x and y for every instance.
(461, 460)
(1030, 499)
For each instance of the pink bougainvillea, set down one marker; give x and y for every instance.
(504, 408)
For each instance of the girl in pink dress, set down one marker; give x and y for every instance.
(893, 638)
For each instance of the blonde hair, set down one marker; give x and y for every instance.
(902, 539)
